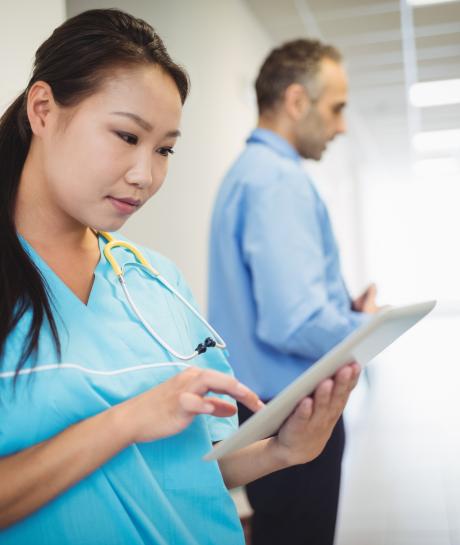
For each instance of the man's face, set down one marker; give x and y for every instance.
(324, 118)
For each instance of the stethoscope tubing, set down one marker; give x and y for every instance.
(141, 262)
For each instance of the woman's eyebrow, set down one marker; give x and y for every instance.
(137, 119)
(145, 124)
(173, 134)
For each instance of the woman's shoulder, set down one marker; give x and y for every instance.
(164, 265)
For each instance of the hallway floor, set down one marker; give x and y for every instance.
(402, 466)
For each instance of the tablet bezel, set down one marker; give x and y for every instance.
(268, 420)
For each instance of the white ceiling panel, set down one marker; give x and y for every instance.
(370, 36)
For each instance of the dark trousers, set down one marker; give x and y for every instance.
(298, 505)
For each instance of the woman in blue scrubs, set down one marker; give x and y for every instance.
(102, 432)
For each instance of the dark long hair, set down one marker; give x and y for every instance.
(75, 61)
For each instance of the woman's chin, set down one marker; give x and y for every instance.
(108, 225)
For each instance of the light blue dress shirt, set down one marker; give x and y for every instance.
(276, 291)
(157, 493)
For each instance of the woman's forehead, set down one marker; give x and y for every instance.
(146, 91)
(137, 80)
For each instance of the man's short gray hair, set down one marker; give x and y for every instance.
(297, 61)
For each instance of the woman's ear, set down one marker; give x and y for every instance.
(40, 103)
(296, 101)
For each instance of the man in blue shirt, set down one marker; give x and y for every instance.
(276, 290)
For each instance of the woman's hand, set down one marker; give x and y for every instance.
(171, 406)
(301, 438)
(36, 475)
(306, 432)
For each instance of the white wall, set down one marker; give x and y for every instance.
(221, 45)
(412, 235)
(24, 25)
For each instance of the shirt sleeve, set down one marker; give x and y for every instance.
(283, 249)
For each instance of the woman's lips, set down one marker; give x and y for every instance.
(125, 205)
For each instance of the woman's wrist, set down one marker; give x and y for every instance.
(279, 455)
(120, 423)
(287, 456)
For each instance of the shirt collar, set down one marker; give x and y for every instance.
(275, 142)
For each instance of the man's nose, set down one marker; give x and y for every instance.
(341, 125)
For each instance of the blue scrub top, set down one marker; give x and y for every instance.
(276, 292)
(159, 493)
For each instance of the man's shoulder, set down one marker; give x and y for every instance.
(259, 165)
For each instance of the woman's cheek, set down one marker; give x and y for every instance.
(159, 174)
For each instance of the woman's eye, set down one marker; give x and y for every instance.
(128, 138)
(165, 151)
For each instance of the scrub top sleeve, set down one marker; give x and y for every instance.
(282, 246)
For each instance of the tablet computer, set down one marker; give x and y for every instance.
(362, 346)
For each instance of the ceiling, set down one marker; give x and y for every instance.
(384, 50)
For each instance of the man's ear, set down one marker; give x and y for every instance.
(297, 103)
(40, 103)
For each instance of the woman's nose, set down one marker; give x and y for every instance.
(140, 174)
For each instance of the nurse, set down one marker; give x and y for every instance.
(102, 431)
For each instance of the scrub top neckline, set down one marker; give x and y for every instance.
(44, 265)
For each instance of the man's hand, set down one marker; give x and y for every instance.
(366, 301)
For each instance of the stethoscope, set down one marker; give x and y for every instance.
(215, 341)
